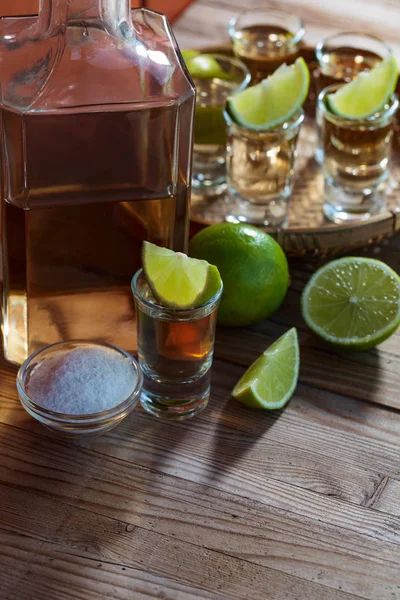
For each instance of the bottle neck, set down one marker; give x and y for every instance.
(59, 13)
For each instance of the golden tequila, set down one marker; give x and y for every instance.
(356, 160)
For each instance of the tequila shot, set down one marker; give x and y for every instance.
(209, 171)
(260, 171)
(356, 160)
(264, 39)
(175, 349)
(341, 58)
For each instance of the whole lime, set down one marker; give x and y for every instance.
(253, 268)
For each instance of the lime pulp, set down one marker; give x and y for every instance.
(176, 280)
(273, 101)
(353, 302)
(366, 95)
(270, 381)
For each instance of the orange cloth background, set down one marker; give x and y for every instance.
(172, 8)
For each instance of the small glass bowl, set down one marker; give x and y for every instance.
(76, 425)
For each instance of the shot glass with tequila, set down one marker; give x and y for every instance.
(264, 39)
(175, 350)
(223, 77)
(356, 159)
(260, 171)
(341, 58)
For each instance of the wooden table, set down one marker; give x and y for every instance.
(302, 504)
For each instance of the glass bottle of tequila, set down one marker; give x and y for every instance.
(96, 120)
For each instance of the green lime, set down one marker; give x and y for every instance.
(205, 66)
(353, 302)
(271, 380)
(273, 101)
(253, 268)
(176, 280)
(368, 93)
(188, 54)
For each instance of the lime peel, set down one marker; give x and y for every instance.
(204, 66)
(273, 101)
(176, 280)
(271, 380)
(353, 302)
(368, 93)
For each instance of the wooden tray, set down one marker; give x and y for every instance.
(308, 231)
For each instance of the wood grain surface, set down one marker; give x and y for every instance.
(298, 504)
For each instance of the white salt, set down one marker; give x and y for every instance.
(83, 380)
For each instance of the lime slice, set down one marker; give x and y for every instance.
(213, 285)
(274, 100)
(353, 302)
(271, 380)
(188, 54)
(368, 93)
(176, 280)
(204, 66)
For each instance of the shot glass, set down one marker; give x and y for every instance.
(341, 58)
(356, 160)
(209, 171)
(175, 349)
(260, 171)
(264, 39)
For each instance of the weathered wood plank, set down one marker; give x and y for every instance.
(388, 498)
(335, 426)
(76, 474)
(323, 417)
(296, 448)
(35, 570)
(237, 458)
(371, 376)
(191, 513)
(63, 568)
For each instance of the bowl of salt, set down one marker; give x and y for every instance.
(79, 388)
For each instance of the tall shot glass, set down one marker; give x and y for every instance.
(264, 39)
(209, 171)
(175, 350)
(341, 58)
(260, 171)
(356, 160)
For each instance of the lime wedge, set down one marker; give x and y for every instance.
(188, 54)
(271, 380)
(176, 280)
(213, 285)
(274, 100)
(353, 302)
(368, 93)
(204, 66)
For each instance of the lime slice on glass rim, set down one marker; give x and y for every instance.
(273, 101)
(176, 280)
(353, 302)
(205, 66)
(270, 381)
(368, 93)
(188, 54)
